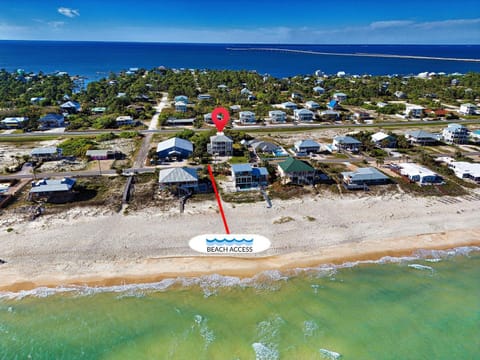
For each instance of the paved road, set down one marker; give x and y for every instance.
(255, 127)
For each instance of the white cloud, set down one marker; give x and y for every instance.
(71, 13)
(389, 24)
(56, 24)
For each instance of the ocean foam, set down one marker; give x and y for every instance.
(331, 355)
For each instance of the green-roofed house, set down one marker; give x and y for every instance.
(296, 172)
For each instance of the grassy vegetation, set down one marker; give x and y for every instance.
(242, 197)
(238, 160)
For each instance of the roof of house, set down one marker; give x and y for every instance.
(415, 169)
(303, 111)
(247, 113)
(311, 103)
(379, 136)
(455, 127)
(365, 174)
(294, 165)
(175, 142)
(333, 103)
(52, 185)
(70, 104)
(289, 104)
(177, 175)
(124, 118)
(264, 146)
(220, 138)
(52, 116)
(276, 112)
(307, 143)
(14, 119)
(260, 171)
(346, 140)
(44, 151)
(103, 152)
(237, 168)
(420, 134)
(340, 94)
(318, 88)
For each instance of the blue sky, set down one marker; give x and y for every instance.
(246, 21)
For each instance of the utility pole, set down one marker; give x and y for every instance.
(99, 167)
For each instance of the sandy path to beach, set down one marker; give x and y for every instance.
(148, 246)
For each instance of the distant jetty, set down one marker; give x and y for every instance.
(418, 57)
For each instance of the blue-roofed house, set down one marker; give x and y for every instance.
(312, 105)
(304, 147)
(277, 116)
(247, 117)
(51, 190)
(247, 177)
(71, 107)
(52, 120)
(363, 177)
(347, 143)
(303, 115)
(185, 178)
(333, 105)
(455, 134)
(46, 153)
(288, 105)
(180, 106)
(182, 98)
(174, 148)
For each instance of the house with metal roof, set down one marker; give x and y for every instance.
(185, 178)
(71, 107)
(180, 106)
(247, 177)
(467, 109)
(363, 177)
(419, 174)
(329, 115)
(339, 96)
(52, 120)
(14, 122)
(288, 105)
(304, 147)
(296, 172)
(347, 143)
(303, 115)
(264, 147)
(319, 90)
(466, 170)
(52, 190)
(181, 98)
(220, 145)
(204, 97)
(414, 111)
(421, 137)
(103, 154)
(208, 118)
(247, 117)
(312, 105)
(46, 153)
(455, 134)
(174, 148)
(380, 139)
(277, 116)
(124, 120)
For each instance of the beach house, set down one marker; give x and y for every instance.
(288, 105)
(312, 105)
(52, 120)
(348, 143)
(305, 147)
(363, 177)
(245, 92)
(455, 134)
(339, 96)
(303, 115)
(296, 172)
(103, 154)
(265, 147)
(333, 105)
(180, 106)
(124, 120)
(277, 116)
(235, 108)
(466, 170)
(330, 115)
(208, 118)
(421, 137)
(52, 190)
(179, 178)
(71, 107)
(174, 149)
(467, 109)
(381, 140)
(14, 122)
(247, 177)
(247, 117)
(419, 174)
(319, 90)
(204, 97)
(361, 115)
(46, 153)
(220, 145)
(296, 96)
(414, 111)
(181, 98)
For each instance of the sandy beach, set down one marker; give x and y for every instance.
(89, 247)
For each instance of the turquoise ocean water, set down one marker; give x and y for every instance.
(426, 307)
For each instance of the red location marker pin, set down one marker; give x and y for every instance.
(220, 122)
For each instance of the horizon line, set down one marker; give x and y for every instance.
(239, 43)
